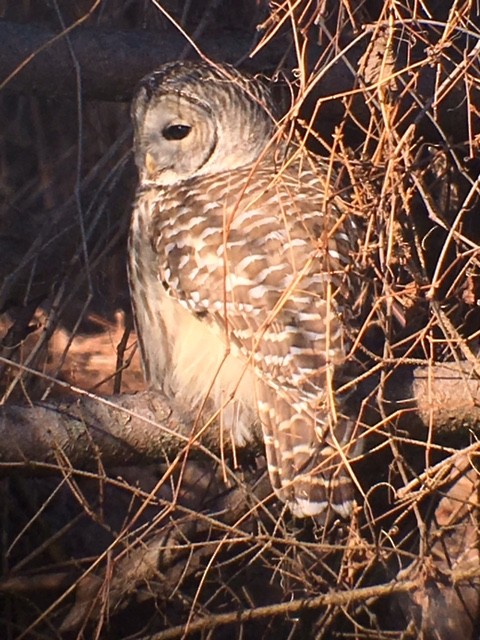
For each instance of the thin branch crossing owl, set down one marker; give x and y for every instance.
(240, 269)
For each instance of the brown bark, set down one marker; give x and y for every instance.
(126, 429)
(448, 578)
(111, 62)
(444, 396)
(122, 430)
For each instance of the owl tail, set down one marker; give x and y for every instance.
(308, 466)
(324, 492)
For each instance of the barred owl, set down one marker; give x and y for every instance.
(239, 267)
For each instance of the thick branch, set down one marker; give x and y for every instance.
(111, 62)
(127, 429)
(444, 396)
(35, 60)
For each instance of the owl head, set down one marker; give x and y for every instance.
(194, 119)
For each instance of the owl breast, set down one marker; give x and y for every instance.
(181, 355)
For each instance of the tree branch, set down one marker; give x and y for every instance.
(128, 429)
(123, 430)
(111, 61)
(333, 599)
(443, 395)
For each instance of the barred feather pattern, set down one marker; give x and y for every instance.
(241, 282)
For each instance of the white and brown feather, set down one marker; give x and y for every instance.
(241, 285)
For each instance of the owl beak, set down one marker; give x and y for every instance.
(150, 164)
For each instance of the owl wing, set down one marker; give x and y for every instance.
(265, 265)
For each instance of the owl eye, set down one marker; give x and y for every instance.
(176, 131)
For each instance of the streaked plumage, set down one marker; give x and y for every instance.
(240, 277)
